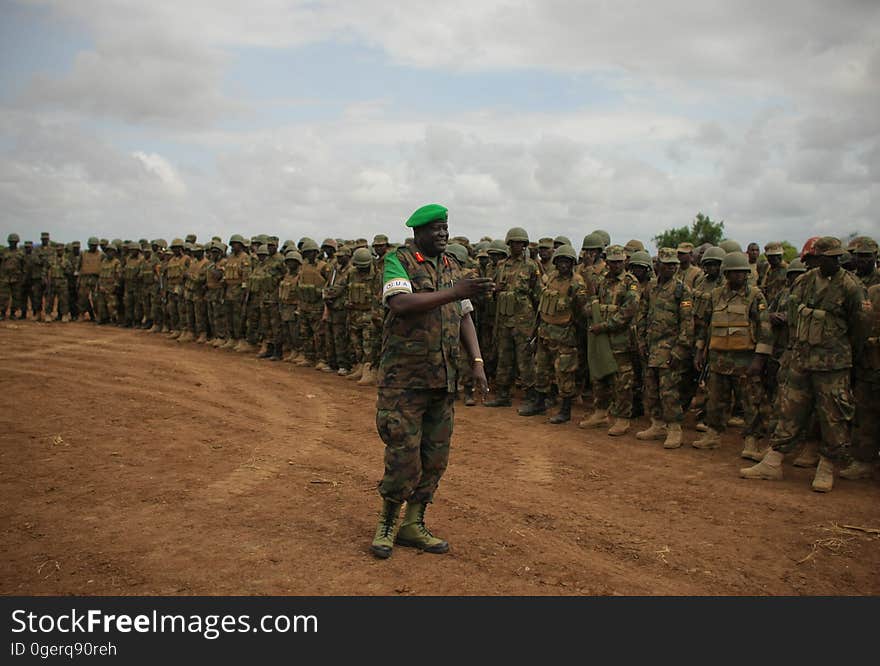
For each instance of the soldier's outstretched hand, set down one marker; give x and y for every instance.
(470, 287)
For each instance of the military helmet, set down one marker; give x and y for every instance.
(75, 243)
(545, 243)
(593, 241)
(13, 238)
(668, 255)
(236, 238)
(604, 235)
(362, 257)
(104, 242)
(344, 251)
(458, 251)
(309, 244)
(566, 251)
(93, 240)
(735, 261)
(29, 243)
(190, 238)
(499, 245)
(773, 248)
(293, 255)
(862, 245)
(262, 249)
(729, 245)
(380, 239)
(796, 266)
(177, 242)
(713, 254)
(615, 253)
(329, 242)
(633, 246)
(640, 258)
(517, 234)
(562, 240)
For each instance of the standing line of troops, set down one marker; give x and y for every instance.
(788, 352)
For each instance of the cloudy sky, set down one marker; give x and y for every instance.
(129, 118)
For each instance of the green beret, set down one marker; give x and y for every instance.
(426, 215)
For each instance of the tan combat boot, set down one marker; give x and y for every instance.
(202, 339)
(736, 422)
(809, 455)
(217, 343)
(386, 530)
(823, 481)
(66, 318)
(264, 350)
(368, 377)
(673, 436)
(620, 427)
(656, 431)
(357, 371)
(597, 419)
(231, 343)
(186, 336)
(175, 333)
(415, 534)
(322, 365)
(750, 449)
(769, 468)
(711, 439)
(857, 470)
(245, 347)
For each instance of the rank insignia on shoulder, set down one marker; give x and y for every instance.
(419, 257)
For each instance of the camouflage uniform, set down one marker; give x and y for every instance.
(556, 359)
(338, 345)
(773, 281)
(827, 313)
(288, 305)
(34, 276)
(176, 271)
(236, 271)
(618, 298)
(311, 307)
(214, 298)
(89, 267)
(131, 296)
(149, 288)
(518, 290)
(417, 379)
(198, 279)
(362, 301)
(866, 426)
(665, 328)
(58, 294)
(271, 272)
(736, 327)
(108, 287)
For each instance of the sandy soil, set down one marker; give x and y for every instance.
(131, 464)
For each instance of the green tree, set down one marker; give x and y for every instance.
(789, 252)
(702, 230)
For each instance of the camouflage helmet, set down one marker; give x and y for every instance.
(198, 247)
(177, 242)
(362, 258)
(162, 243)
(561, 240)
(545, 243)
(343, 251)
(633, 246)
(565, 251)
(735, 261)
(262, 249)
(93, 240)
(29, 243)
(615, 253)
(517, 234)
(329, 242)
(308, 244)
(604, 235)
(712, 254)
(862, 245)
(640, 258)
(668, 255)
(729, 245)
(293, 255)
(236, 238)
(593, 242)
(458, 251)
(103, 242)
(498, 245)
(75, 243)
(379, 239)
(796, 266)
(191, 238)
(12, 238)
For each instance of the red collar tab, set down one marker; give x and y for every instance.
(446, 261)
(419, 257)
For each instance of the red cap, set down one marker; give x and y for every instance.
(808, 247)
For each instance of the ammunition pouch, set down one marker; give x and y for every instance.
(507, 304)
(731, 328)
(555, 308)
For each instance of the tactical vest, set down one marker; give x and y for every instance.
(109, 271)
(212, 281)
(359, 291)
(308, 289)
(732, 329)
(176, 268)
(287, 290)
(514, 295)
(58, 269)
(555, 304)
(91, 263)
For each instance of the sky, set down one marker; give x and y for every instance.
(136, 119)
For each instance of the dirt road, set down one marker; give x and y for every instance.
(131, 464)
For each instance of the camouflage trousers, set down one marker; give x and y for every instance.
(216, 316)
(159, 309)
(514, 358)
(465, 371)
(10, 297)
(252, 319)
(309, 321)
(290, 335)
(724, 391)
(338, 340)
(33, 296)
(556, 362)
(199, 317)
(270, 322)
(866, 426)
(175, 310)
(58, 297)
(106, 306)
(146, 303)
(615, 392)
(234, 328)
(87, 293)
(362, 334)
(823, 392)
(416, 427)
(661, 393)
(131, 301)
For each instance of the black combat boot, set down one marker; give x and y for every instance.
(536, 404)
(270, 351)
(276, 351)
(564, 415)
(502, 399)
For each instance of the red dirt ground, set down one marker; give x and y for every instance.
(134, 465)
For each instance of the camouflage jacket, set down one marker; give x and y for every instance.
(868, 363)
(59, 268)
(828, 315)
(618, 298)
(689, 275)
(518, 288)
(735, 327)
(773, 281)
(132, 273)
(236, 271)
(148, 276)
(287, 301)
(420, 350)
(110, 275)
(308, 288)
(33, 266)
(363, 290)
(336, 287)
(703, 303)
(871, 279)
(665, 323)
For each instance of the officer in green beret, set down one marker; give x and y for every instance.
(428, 313)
